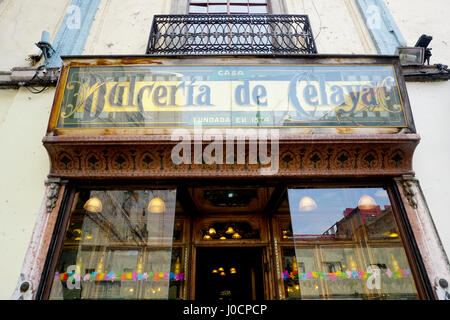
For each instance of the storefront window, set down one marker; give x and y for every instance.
(121, 245)
(346, 245)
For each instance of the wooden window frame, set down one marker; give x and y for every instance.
(423, 285)
(229, 3)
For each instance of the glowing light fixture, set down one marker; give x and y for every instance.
(156, 205)
(140, 265)
(212, 231)
(229, 230)
(352, 264)
(93, 205)
(294, 264)
(366, 202)
(307, 204)
(236, 236)
(89, 237)
(233, 270)
(393, 235)
(222, 238)
(177, 268)
(100, 265)
(394, 262)
(207, 237)
(215, 271)
(221, 269)
(223, 274)
(79, 266)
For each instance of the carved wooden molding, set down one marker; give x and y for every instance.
(407, 183)
(319, 156)
(52, 193)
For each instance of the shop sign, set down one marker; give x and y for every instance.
(274, 96)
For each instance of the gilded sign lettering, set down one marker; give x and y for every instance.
(232, 96)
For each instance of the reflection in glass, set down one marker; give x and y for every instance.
(343, 250)
(217, 9)
(123, 251)
(258, 9)
(197, 9)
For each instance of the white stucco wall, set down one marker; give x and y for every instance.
(24, 167)
(123, 26)
(21, 26)
(337, 25)
(431, 105)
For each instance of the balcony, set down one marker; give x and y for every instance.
(231, 35)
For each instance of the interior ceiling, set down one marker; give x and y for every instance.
(230, 199)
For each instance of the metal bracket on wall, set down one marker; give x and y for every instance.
(441, 287)
(24, 290)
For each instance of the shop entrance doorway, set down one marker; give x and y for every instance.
(229, 274)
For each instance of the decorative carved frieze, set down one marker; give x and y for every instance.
(336, 156)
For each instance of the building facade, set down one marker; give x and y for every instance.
(245, 150)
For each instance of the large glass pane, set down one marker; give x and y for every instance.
(238, 9)
(217, 9)
(258, 9)
(197, 9)
(346, 246)
(118, 245)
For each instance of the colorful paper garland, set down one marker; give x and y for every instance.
(125, 276)
(354, 274)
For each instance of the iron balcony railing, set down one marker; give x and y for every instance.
(231, 34)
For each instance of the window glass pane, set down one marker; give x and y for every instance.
(217, 1)
(258, 9)
(238, 9)
(257, 1)
(218, 9)
(238, 1)
(119, 246)
(199, 1)
(347, 246)
(197, 9)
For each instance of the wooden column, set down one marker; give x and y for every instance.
(40, 241)
(433, 255)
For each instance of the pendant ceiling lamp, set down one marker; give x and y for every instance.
(236, 236)
(93, 205)
(229, 230)
(366, 202)
(156, 205)
(307, 204)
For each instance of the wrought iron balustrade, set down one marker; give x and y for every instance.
(231, 34)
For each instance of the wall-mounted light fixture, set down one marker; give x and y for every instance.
(417, 55)
(411, 56)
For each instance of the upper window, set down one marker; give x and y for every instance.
(228, 6)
